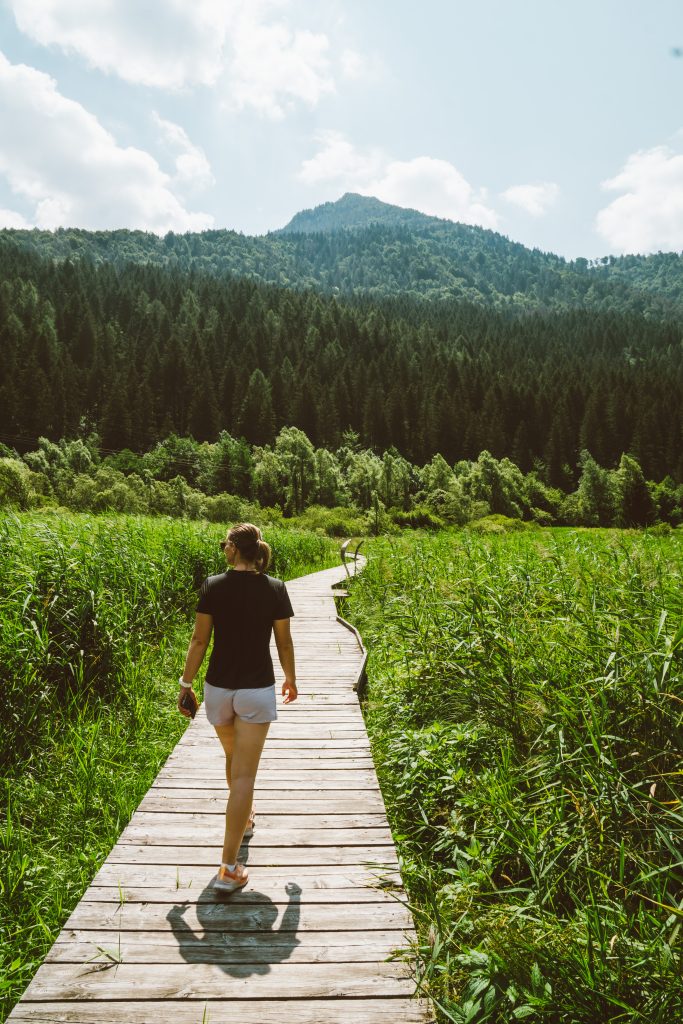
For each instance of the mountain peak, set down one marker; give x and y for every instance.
(353, 210)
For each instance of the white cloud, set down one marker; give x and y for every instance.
(258, 60)
(192, 167)
(10, 219)
(161, 43)
(535, 199)
(57, 156)
(648, 216)
(433, 186)
(271, 65)
(338, 161)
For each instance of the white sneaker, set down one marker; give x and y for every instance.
(229, 881)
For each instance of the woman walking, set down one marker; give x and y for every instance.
(242, 607)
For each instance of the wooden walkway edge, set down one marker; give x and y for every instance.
(309, 937)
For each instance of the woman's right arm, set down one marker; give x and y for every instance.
(285, 651)
(195, 655)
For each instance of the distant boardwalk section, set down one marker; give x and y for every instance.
(307, 940)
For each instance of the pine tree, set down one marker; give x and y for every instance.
(256, 420)
(115, 426)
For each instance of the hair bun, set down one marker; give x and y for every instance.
(248, 540)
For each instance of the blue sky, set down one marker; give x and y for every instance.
(558, 124)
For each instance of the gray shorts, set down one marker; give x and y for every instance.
(252, 705)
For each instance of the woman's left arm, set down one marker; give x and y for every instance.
(195, 654)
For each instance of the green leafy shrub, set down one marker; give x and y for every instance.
(419, 517)
(15, 484)
(496, 524)
(335, 522)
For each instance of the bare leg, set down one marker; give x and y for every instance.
(248, 744)
(226, 734)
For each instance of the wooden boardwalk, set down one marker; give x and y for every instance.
(307, 939)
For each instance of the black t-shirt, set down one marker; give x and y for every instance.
(243, 606)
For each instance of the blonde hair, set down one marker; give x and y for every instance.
(248, 540)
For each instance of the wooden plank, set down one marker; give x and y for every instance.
(207, 981)
(218, 792)
(316, 716)
(376, 1010)
(341, 698)
(77, 947)
(261, 856)
(275, 741)
(168, 820)
(311, 776)
(281, 765)
(308, 724)
(297, 731)
(152, 835)
(204, 778)
(278, 745)
(193, 876)
(312, 696)
(230, 915)
(276, 772)
(186, 801)
(260, 890)
(199, 785)
(345, 718)
(331, 789)
(307, 729)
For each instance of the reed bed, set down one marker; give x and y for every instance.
(525, 706)
(94, 623)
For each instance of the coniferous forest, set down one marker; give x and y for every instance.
(136, 351)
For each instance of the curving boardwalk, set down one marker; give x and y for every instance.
(307, 939)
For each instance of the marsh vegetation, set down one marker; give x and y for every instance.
(525, 709)
(94, 625)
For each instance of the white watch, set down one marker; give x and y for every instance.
(183, 683)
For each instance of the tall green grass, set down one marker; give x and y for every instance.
(525, 704)
(94, 624)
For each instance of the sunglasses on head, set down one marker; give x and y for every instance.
(222, 544)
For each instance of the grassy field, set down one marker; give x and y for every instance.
(525, 705)
(94, 625)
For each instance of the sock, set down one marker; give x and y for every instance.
(230, 867)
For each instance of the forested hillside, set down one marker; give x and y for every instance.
(359, 245)
(140, 352)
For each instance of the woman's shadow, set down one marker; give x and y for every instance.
(238, 934)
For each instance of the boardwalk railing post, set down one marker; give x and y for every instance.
(346, 557)
(342, 552)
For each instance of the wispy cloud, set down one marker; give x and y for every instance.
(361, 67)
(534, 199)
(192, 167)
(430, 185)
(648, 215)
(57, 156)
